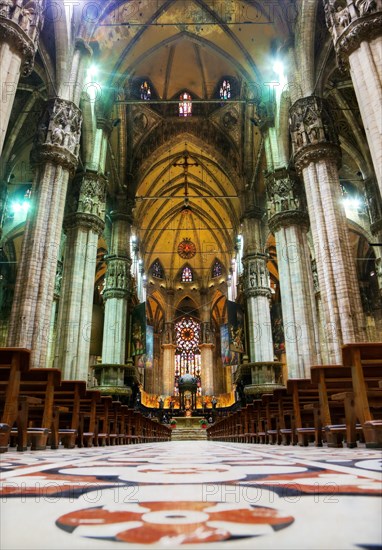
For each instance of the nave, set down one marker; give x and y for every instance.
(191, 494)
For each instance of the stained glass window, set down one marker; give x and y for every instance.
(187, 276)
(145, 91)
(187, 354)
(157, 270)
(225, 90)
(185, 105)
(217, 269)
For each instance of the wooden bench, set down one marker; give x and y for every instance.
(333, 380)
(307, 425)
(13, 362)
(67, 398)
(365, 362)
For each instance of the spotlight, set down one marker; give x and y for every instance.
(278, 67)
(93, 71)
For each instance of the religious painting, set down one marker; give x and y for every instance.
(229, 357)
(138, 330)
(235, 327)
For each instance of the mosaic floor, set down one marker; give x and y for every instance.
(193, 495)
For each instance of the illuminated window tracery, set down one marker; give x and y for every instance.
(187, 354)
(185, 105)
(217, 269)
(145, 91)
(225, 90)
(157, 270)
(187, 276)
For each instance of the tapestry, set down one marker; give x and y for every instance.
(138, 330)
(235, 327)
(229, 357)
(146, 360)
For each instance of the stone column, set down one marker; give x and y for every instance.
(169, 346)
(357, 35)
(256, 289)
(20, 27)
(83, 224)
(317, 155)
(53, 319)
(374, 206)
(118, 288)
(54, 158)
(206, 346)
(289, 222)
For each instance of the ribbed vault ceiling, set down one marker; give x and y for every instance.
(187, 45)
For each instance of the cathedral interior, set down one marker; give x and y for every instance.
(190, 193)
(160, 153)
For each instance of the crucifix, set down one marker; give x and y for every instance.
(185, 166)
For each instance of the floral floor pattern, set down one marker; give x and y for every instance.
(191, 495)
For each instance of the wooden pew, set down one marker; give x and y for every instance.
(306, 413)
(365, 362)
(331, 381)
(13, 362)
(39, 384)
(68, 398)
(88, 419)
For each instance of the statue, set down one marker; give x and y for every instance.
(342, 17)
(58, 135)
(26, 19)
(364, 6)
(5, 8)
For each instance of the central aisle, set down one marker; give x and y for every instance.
(191, 494)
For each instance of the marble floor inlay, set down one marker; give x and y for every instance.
(191, 494)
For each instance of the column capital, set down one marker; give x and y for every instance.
(374, 205)
(256, 276)
(20, 27)
(286, 200)
(83, 46)
(82, 220)
(206, 333)
(118, 277)
(313, 133)
(168, 335)
(264, 116)
(87, 201)
(360, 20)
(104, 124)
(58, 135)
(253, 213)
(124, 210)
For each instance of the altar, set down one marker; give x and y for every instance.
(186, 422)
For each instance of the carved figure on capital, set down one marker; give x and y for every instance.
(342, 17)
(5, 8)
(60, 126)
(314, 128)
(311, 123)
(365, 6)
(111, 275)
(329, 13)
(26, 18)
(58, 135)
(257, 276)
